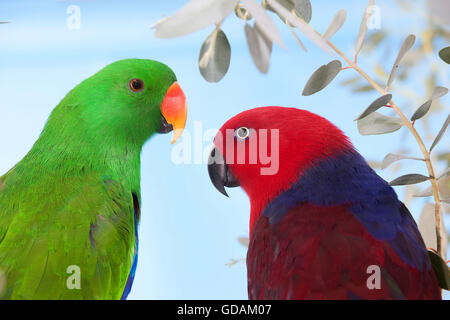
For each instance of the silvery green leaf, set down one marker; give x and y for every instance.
(441, 270)
(445, 54)
(288, 4)
(322, 77)
(374, 164)
(428, 192)
(303, 9)
(244, 241)
(444, 188)
(374, 106)
(260, 47)
(438, 11)
(337, 22)
(391, 158)
(422, 111)
(377, 123)
(194, 16)
(407, 44)
(409, 179)
(363, 88)
(3, 22)
(215, 55)
(445, 174)
(363, 27)
(300, 43)
(438, 92)
(264, 22)
(242, 13)
(441, 133)
(427, 228)
(300, 24)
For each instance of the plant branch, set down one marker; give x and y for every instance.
(412, 129)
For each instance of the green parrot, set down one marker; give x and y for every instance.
(69, 210)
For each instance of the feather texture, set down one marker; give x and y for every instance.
(317, 239)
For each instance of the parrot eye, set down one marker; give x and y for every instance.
(242, 133)
(136, 85)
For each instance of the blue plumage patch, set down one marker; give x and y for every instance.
(130, 279)
(347, 179)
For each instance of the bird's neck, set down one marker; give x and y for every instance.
(80, 154)
(344, 178)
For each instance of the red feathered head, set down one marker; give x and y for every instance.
(265, 150)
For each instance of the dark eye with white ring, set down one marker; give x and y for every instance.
(136, 85)
(242, 133)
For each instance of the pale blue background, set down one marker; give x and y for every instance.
(188, 231)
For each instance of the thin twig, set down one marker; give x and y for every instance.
(410, 126)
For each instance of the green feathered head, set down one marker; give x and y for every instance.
(122, 104)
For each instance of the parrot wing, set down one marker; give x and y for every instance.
(326, 252)
(52, 228)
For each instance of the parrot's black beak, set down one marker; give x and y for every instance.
(165, 126)
(219, 174)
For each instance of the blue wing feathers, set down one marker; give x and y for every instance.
(130, 279)
(347, 179)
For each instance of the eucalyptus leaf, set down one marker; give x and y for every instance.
(391, 158)
(363, 88)
(363, 27)
(242, 13)
(441, 133)
(244, 241)
(3, 22)
(374, 164)
(301, 25)
(260, 47)
(194, 16)
(264, 22)
(445, 54)
(407, 44)
(428, 192)
(441, 270)
(374, 106)
(438, 92)
(215, 56)
(303, 9)
(337, 22)
(427, 228)
(322, 77)
(377, 123)
(444, 188)
(300, 43)
(422, 110)
(445, 174)
(409, 179)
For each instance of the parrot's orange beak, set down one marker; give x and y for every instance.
(174, 110)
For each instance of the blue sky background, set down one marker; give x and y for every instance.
(188, 230)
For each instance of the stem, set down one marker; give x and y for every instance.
(416, 135)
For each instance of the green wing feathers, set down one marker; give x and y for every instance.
(50, 224)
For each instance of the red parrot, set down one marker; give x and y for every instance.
(323, 224)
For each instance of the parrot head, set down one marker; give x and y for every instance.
(125, 102)
(265, 150)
